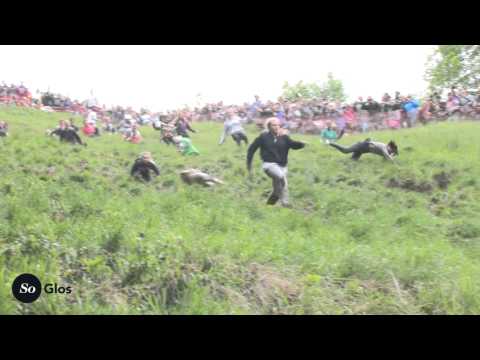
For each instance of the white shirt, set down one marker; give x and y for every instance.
(92, 117)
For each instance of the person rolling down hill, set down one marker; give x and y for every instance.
(233, 126)
(166, 131)
(274, 147)
(367, 146)
(67, 134)
(142, 167)
(194, 176)
(185, 146)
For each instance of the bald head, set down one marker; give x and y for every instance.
(273, 125)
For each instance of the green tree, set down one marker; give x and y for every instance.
(453, 65)
(332, 89)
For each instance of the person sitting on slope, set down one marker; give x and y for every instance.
(134, 137)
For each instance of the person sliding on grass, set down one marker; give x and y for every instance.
(67, 134)
(274, 147)
(232, 126)
(166, 131)
(185, 146)
(388, 151)
(195, 176)
(142, 167)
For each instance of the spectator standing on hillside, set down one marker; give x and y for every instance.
(274, 148)
(411, 108)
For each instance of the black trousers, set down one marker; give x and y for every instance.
(238, 137)
(182, 133)
(357, 149)
(168, 140)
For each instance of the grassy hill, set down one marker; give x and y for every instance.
(365, 237)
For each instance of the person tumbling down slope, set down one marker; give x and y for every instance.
(274, 147)
(195, 176)
(233, 126)
(66, 134)
(143, 165)
(388, 151)
(185, 146)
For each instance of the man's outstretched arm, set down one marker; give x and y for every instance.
(295, 144)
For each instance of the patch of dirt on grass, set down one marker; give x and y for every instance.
(443, 180)
(355, 183)
(410, 184)
(270, 289)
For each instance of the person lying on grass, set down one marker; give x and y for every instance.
(388, 151)
(194, 176)
(142, 166)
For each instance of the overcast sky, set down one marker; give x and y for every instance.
(163, 77)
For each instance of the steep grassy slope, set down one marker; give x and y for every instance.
(365, 237)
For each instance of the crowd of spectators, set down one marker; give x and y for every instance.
(309, 116)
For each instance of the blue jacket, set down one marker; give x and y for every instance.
(412, 105)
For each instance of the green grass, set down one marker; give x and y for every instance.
(352, 244)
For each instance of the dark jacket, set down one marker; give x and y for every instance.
(182, 127)
(271, 150)
(68, 135)
(143, 168)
